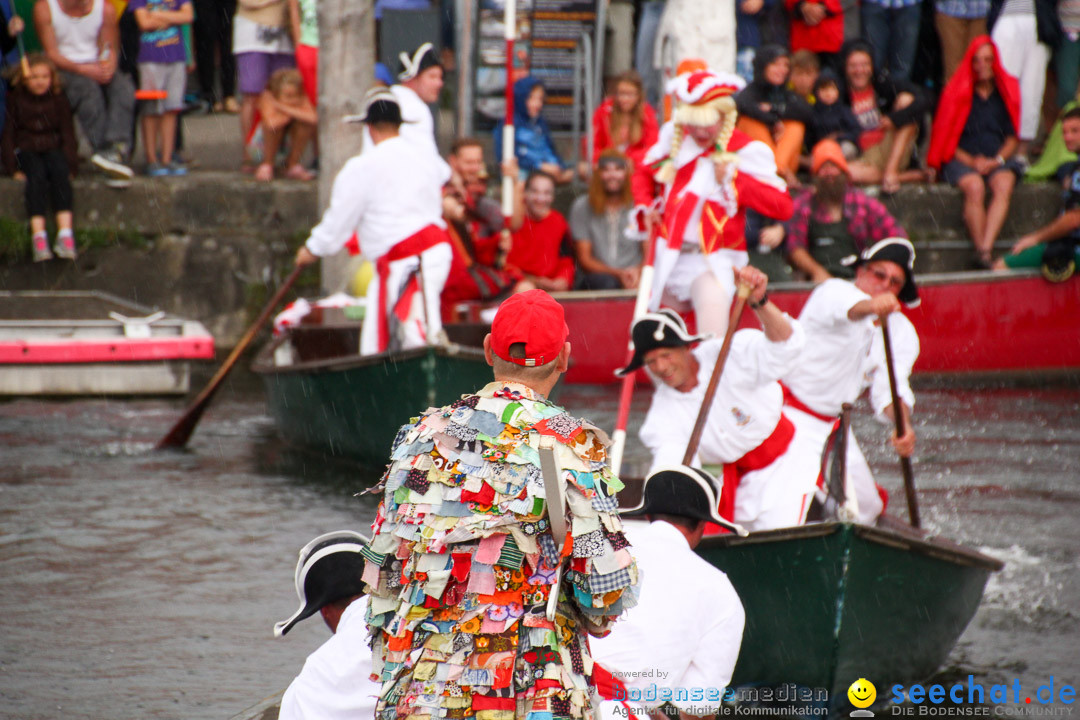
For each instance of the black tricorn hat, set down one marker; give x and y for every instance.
(896, 250)
(684, 491)
(380, 106)
(330, 568)
(664, 328)
(421, 59)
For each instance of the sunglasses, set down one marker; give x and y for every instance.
(882, 276)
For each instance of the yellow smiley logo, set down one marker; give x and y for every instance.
(862, 693)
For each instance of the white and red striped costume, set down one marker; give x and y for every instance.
(702, 216)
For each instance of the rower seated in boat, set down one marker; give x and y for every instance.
(766, 482)
(845, 355)
(686, 630)
(335, 683)
(391, 198)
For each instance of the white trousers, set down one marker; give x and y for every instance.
(1025, 58)
(435, 262)
(779, 495)
(812, 433)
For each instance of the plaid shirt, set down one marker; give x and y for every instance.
(867, 220)
(963, 9)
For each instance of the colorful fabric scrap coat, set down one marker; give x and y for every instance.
(462, 562)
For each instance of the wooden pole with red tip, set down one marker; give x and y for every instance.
(507, 150)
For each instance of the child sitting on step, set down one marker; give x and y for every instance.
(286, 111)
(38, 146)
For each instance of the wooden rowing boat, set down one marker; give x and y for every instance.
(325, 397)
(829, 603)
(969, 323)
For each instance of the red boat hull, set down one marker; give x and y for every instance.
(968, 323)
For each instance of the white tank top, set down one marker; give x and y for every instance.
(77, 37)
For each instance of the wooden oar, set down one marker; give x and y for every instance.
(185, 426)
(618, 438)
(741, 295)
(898, 414)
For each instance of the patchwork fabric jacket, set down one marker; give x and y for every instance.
(463, 560)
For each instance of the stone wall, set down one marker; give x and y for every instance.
(211, 245)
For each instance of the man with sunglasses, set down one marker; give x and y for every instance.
(845, 354)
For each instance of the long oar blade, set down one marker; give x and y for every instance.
(185, 426)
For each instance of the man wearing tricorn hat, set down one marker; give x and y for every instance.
(845, 354)
(420, 80)
(335, 682)
(711, 173)
(391, 197)
(687, 628)
(483, 594)
(766, 482)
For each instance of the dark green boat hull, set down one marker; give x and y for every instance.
(830, 603)
(354, 407)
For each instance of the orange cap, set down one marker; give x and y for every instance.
(689, 65)
(828, 151)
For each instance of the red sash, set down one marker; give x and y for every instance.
(425, 239)
(610, 687)
(791, 401)
(760, 457)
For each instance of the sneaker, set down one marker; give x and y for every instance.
(156, 170)
(117, 183)
(177, 169)
(111, 163)
(65, 246)
(41, 248)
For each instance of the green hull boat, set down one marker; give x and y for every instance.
(327, 398)
(829, 603)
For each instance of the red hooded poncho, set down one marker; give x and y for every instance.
(955, 105)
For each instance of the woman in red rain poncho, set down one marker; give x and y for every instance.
(974, 139)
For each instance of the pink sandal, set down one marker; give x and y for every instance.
(264, 173)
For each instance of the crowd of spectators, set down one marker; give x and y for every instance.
(856, 75)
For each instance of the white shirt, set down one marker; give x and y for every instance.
(905, 347)
(746, 406)
(830, 371)
(686, 629)
(419, 126)
(385, 196)
(335, 683)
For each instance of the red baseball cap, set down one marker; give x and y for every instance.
(533, 318)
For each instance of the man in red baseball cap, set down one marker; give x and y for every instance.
(527, 342)
(487, 504)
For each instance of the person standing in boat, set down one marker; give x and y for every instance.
(471, 613)
(335, 683)
(845, 355)
(767, 484)
(391, 197)
(711, 172)
(687, 628)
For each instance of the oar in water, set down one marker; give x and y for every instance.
(741, 295)
(618, 438)
(185, 426)
(898, 415)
